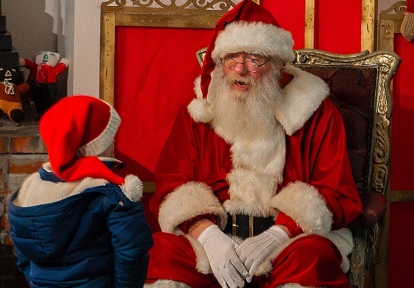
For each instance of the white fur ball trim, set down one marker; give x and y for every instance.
(199, 111)
(132, 188)
(199, 107)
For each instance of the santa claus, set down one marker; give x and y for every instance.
(254, 184)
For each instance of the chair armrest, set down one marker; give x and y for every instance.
(373, 213)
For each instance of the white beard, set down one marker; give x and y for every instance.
(239, 114)
(246, 121)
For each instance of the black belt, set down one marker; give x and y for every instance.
(245, 226)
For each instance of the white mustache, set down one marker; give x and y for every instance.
(249, 81)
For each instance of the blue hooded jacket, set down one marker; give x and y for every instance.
(95, 237)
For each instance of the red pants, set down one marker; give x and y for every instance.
(308, 261)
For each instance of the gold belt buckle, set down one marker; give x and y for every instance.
(234, 225)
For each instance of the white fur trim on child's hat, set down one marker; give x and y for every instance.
(87, 129)
(98, 145)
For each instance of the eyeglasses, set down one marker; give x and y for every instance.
(251, 65)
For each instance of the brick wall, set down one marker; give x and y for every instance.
(21, 153)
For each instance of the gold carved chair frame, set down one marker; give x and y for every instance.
(369, 259)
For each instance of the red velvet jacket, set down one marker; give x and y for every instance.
(316, 160)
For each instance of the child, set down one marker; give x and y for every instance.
(75, 223)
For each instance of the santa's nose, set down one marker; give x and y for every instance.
(240, 65)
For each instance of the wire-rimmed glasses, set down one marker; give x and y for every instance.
(251, 63)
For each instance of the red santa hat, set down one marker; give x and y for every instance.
(247, 27)
(407, 25)
(250, 28)
(75, 130)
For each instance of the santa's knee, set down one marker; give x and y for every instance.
(317, 247)
(311, 253)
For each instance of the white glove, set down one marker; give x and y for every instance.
(225, 263)
(255, 250)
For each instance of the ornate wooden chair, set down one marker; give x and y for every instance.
(360, 89)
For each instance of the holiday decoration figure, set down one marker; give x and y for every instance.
(11, 94)
(43, 75)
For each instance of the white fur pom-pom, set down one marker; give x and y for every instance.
(198, 109)
(132, 188)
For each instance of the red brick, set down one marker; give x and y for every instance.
(26, 163)
(27, 144)
(4, 144)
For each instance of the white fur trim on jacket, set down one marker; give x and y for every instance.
(293, 285)
(50, 191)
(300, 99)
(255, 38)
(202, 262)
(250, 192)
(187, 201)
(303, 203)
(166, 284)
(132, 188)
(344, 241)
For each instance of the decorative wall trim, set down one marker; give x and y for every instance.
(389, 24)
(150, 13)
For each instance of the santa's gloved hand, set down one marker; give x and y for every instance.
(255, 250)
(225, 263)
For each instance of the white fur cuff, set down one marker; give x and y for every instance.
(188, 201)
(304, 204)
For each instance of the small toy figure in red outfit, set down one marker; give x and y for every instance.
(11, 93)
(43, 77)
